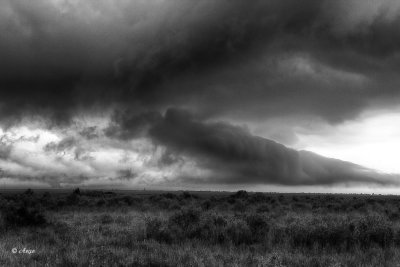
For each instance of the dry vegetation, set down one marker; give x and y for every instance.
(97, 228)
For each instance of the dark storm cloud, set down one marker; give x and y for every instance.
(126, 174)
(125, 126)
(89, 132)
(217, 56)
(228, 60)
(235, 156)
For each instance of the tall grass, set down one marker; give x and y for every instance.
(185, 229)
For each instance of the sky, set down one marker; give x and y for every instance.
(291, 96)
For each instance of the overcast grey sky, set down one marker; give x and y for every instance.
(200, 94)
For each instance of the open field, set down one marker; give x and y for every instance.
(139, 228)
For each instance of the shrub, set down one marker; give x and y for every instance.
(373, 229)
(169, 196)
(223, 207)
(258, 226)
(263, 208)
(29, 192)
(186, 195)
(206, 205)
(322, 231)
(92, 193)
(241, 194)
(258, 198)
(300, 206)
(212, 228)
(185, 219)
(155, 229)
(47, 200)
(129, 200)
(106, 219)
(239, 206)
(46, 195)
(239, 232)
(15, 216)
(168, 204)
(187, 225)
(101, 202)
(77, 191)
(72, 199)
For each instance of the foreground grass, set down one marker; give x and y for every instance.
(244, 234)
(93, 239)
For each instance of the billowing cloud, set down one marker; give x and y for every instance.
(274, 66)
(323, 58)
(125, 126)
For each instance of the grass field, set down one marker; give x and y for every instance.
(100, 228)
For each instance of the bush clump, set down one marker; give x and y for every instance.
(208, 227)
(156, 229)
(20, 215)
(372, 230)
(239, 232)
